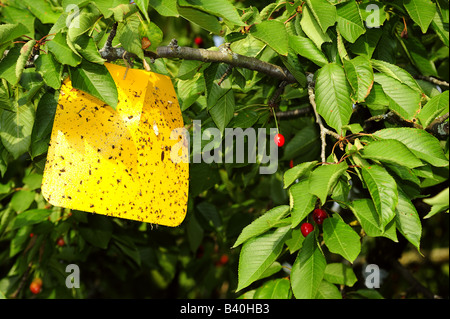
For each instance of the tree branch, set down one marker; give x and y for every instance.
(186, 53)
(234, 59)
(439, 127)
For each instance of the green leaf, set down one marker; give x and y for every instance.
(4, 159)
(439, 203)
(441, 27)
(304, 145)
(328, 291)
(333, 96)
(22, 199)
(42, 128)
(152, 32)
(308, 269)
(323, 178)
(82, 22)
(49, 69)
(436, 106)
(33, 181)
(16, 129)
(341, 239)
(166, 8)
(99, 231)
(194, 233)
(8, 66)
(190, 90)
(306, 48)
(341, 274)
(292, 63)
(14, 15)
(219, 8)
(9, 31)
(273, 33)
(105, 5)
(62, 52)
(312, 29)
(297, 172)
(273, 269)
(422, 144)
(128, 247)
(258, 254)
(368, 217)
(302, 201)
(366, 44)
(360, 76)
(397, 73)
(349, 22)
(200, 18)
(31, 217)
(403, 100)
(95, 79)
(143, 7)
(408, 221)
(324, 13)
(42, 10)
(419, 56)
(17, 244)
(262, 224)
(85, 45)
(296, 241)
(222, 112)
(391, 151)
(128, 35)
(274, 289)
(383, 190)
(25, 54)
(421, 12)
(123, 11)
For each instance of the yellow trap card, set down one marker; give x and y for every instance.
(118, 162)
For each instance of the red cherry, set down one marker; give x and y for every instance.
(36, 286)
(60, 242)
(279, 139)
(319, 215)
(224, 259)
(291, 163)
(306, 228)
(198, 41)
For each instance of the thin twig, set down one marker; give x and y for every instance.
(415, 284)
(273, 102)
(225, 75)
(22, 282)
(323, 130)
(394, 118)
(432, 80)
(294, 113)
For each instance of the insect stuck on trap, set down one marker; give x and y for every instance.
(155, 128)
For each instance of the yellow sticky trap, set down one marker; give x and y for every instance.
(118, 163)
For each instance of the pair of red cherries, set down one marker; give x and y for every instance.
(318, 216)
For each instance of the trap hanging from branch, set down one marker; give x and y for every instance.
(119, 162)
